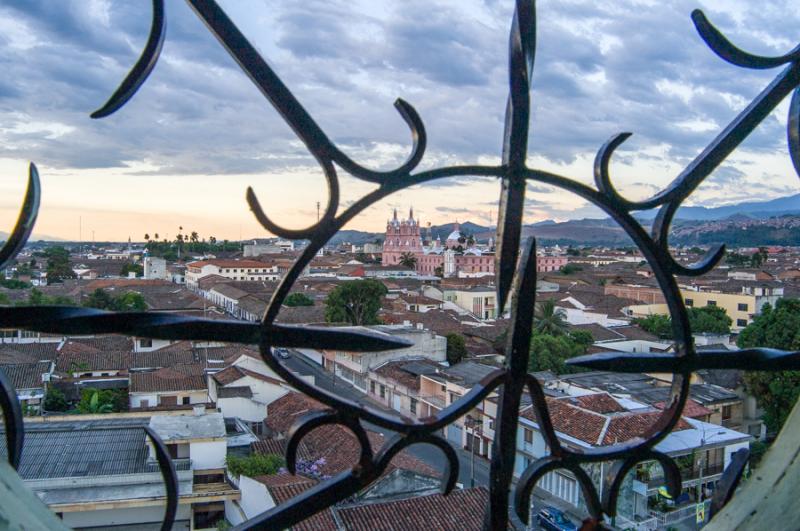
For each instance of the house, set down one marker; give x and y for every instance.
(375, 508)
(441, 389)
(30, 381)
(478, 300)
(169, 386)
(230, 269)
(582, 423)
(354, 366)
(396, 384)
(120, 482)
(245, 394)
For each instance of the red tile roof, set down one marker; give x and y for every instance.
(334, 443)
(692, 409)
(229, 263)
(597, 402)
(284, 487)
(626, 427)
(461, 510)
(234, 372)
(166, 380)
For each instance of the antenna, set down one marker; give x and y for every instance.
(317, 211)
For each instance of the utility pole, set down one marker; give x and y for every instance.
(317, 211)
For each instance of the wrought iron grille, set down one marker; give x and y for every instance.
(515, 281)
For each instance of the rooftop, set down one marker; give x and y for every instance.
(188, 427)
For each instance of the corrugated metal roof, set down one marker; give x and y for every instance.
(81, 449)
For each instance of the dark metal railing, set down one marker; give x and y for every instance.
(515, 280)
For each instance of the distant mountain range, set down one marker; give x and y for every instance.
(754, 209)
(751, 223)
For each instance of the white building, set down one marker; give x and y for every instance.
(232, 269)
(103, 473)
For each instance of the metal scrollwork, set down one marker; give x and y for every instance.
(515, 280)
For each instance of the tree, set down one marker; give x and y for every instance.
(99, 299)
(146, 237)
(37, 298)
(131, 268)
(456, 348)
(356, 302)
(55, 400)
(706, 320)
(254, 465)
(709, 319)
(572, 251)
(13, 283)
(126, 302)
(570, 269)
(779, 328)
(91, 403)
(438, 271)
(298, 299)
(58, 266)
(658, 325)
(547, 319)
(130, 302)
(408, 260)
(550, 353)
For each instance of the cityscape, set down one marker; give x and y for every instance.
(225, 415)
(356, 266)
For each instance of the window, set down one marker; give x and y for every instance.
(186, 400)
(145, 343)
(383, 391)
(742, 307)
(726, 412)
(413, 406)
(741, 322)
(491, 424)
(711, 303)
(689, 302)
(144, 403)
(372, 386)
(528, 434)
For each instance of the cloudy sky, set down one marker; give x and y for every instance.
(183, 151)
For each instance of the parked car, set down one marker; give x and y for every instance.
(555, 520)
(283, 353)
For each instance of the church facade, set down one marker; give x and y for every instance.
(456, 256)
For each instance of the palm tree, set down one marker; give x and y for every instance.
(547, 319)
(408, 260)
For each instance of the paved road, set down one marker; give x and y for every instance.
(425, 452)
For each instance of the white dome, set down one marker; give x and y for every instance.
(455, 235)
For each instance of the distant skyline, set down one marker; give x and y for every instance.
(184, 149)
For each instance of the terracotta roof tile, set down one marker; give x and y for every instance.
(165, 380)
(461, 510)
(333, 443)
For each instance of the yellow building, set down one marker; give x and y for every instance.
(740, 306)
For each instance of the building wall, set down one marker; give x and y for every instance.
(255, 500)
(728, 301)
(132, 515)
(205, 455)
(644, 294)
(243, 408)
(154, 399)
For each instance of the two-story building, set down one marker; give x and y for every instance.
(355, 366)
(102, 472)
(231, 269)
